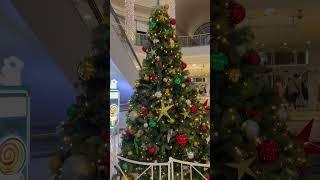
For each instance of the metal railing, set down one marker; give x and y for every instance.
(116, 25)
(187, 169)
(184, 41)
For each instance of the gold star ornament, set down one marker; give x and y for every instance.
(164, 111)
(243, 167)
(185, 114)
(162, 18)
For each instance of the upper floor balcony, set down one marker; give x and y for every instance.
(184, 41)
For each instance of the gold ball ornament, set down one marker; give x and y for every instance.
(172, 44)
(234, 75)
(136, 83)
(137, 135)
(55, 164)
(196, 143)
(87, 70)
(130, 153)
(183, 85)
(128, 177)
(146, 78)
(171, 121)
(196, 120)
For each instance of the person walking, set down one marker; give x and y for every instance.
(293, 93)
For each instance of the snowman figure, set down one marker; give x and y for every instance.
(10, 74)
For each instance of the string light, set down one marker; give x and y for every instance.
(129, 21)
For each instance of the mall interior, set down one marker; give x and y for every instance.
(287, 38)
(127, 55)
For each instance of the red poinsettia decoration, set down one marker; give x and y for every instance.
(154, 76)
(181, 139)
(194, 109)
(203, 128)
(145, 112)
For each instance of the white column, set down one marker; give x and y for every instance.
(172, 7)
(130, 26)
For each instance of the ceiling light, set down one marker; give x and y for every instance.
(269, 11)
(194, 65)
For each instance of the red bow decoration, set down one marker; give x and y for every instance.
(205, 105)
(309, 148)
(304, 135)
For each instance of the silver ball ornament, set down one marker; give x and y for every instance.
(133, 115)
(283, 114)
(251, 128)
(190, 155)
(188, 102)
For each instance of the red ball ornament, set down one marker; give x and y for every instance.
(152, 150)
(237, 13)
(188, 79)
(181, 139)
(203, 128)
(144, 49)
(194, 109)
(183, 65)
(268, 151)
(252, 57)
(129, 131)
(153, 76)
(145, 112)
(173, 21)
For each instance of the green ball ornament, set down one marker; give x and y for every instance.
(153, 25)
(163, 153)
(177, 81)
(152, 123)
(56, 177)
(125, 166)
(137, 140)
(72, 111)
(219, 61)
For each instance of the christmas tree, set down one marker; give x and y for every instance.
(165, 118)
(250, 140)
(83, 152)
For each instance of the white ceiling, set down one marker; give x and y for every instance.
(190, 14)
(274, 30)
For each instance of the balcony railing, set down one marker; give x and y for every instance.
(184, 41)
